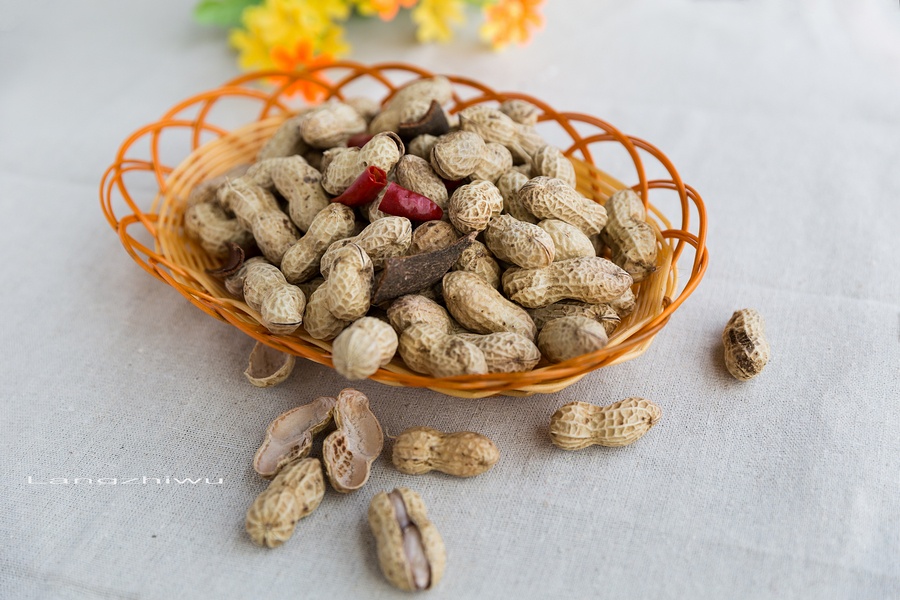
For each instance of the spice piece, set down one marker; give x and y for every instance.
(234, 262)
(409, 274)
(359, 140)
(433, 122)
(401, 202)
(364, 189)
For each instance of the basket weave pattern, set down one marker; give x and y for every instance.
(181, 263)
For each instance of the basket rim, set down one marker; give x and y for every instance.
(563, 374)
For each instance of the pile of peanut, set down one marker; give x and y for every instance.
(409, 547)
(458, 241)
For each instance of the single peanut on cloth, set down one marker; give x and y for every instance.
(420, 450)
(746, 347)
(410, 550)
(578, 425)
(295, 493)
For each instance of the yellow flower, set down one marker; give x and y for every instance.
(434, 18)
(253, 51)
(337, 10)
(332, 42)
(385, 9)
(283, 25)
(511, 21)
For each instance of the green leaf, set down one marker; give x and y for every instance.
(481, 3)
(224, 13)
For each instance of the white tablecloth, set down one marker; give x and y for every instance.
(784, 115)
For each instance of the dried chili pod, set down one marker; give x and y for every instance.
(401, 202)
(366, 187)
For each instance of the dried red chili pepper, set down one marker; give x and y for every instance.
(401, 202)
(366, 187)
(359, 140)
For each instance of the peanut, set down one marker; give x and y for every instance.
(349, 451)
(349, 283)
(522, 244)
(294, 494)
(569, 241)
(274, 234)
(746, 347)
(427, 349)
(479, 307)
(431, 236)
(490, 124)
(624, 304)
(272, 517)
(280, 304)
(420, 450)
(416, 174)
(364, 347)
(592, 279)
(602, 313)
(421, 146)
(282, 309)
(207, 190)
(456, 155)
(286, 141)
(318, 321)
(479, 260)
(208, 223)
(551, 162)
(340, 168)
(257, 211)
(419, 93)
(410, 550)
(301, 185)
(509, 185)
(520, 111)
(380, 240)
(301, 261)
(631, 240)
(383, 151)
(330, 124)
(549, 198)
(268, 366)
(235, 282)
(578, 425)
(525, 169)
(505, 351)
(495, 161)
(412, 309)
(567, 337)
(473, 205)
(365, 106)
(290, 435)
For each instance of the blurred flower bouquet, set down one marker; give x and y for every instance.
(298, 34)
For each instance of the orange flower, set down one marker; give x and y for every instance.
(511, 21)
(385, 9)
(302, 59)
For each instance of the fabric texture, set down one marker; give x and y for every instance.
(784, 116)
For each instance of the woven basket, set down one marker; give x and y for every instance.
(152, 233)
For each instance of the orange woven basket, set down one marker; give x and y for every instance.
(144, 194)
